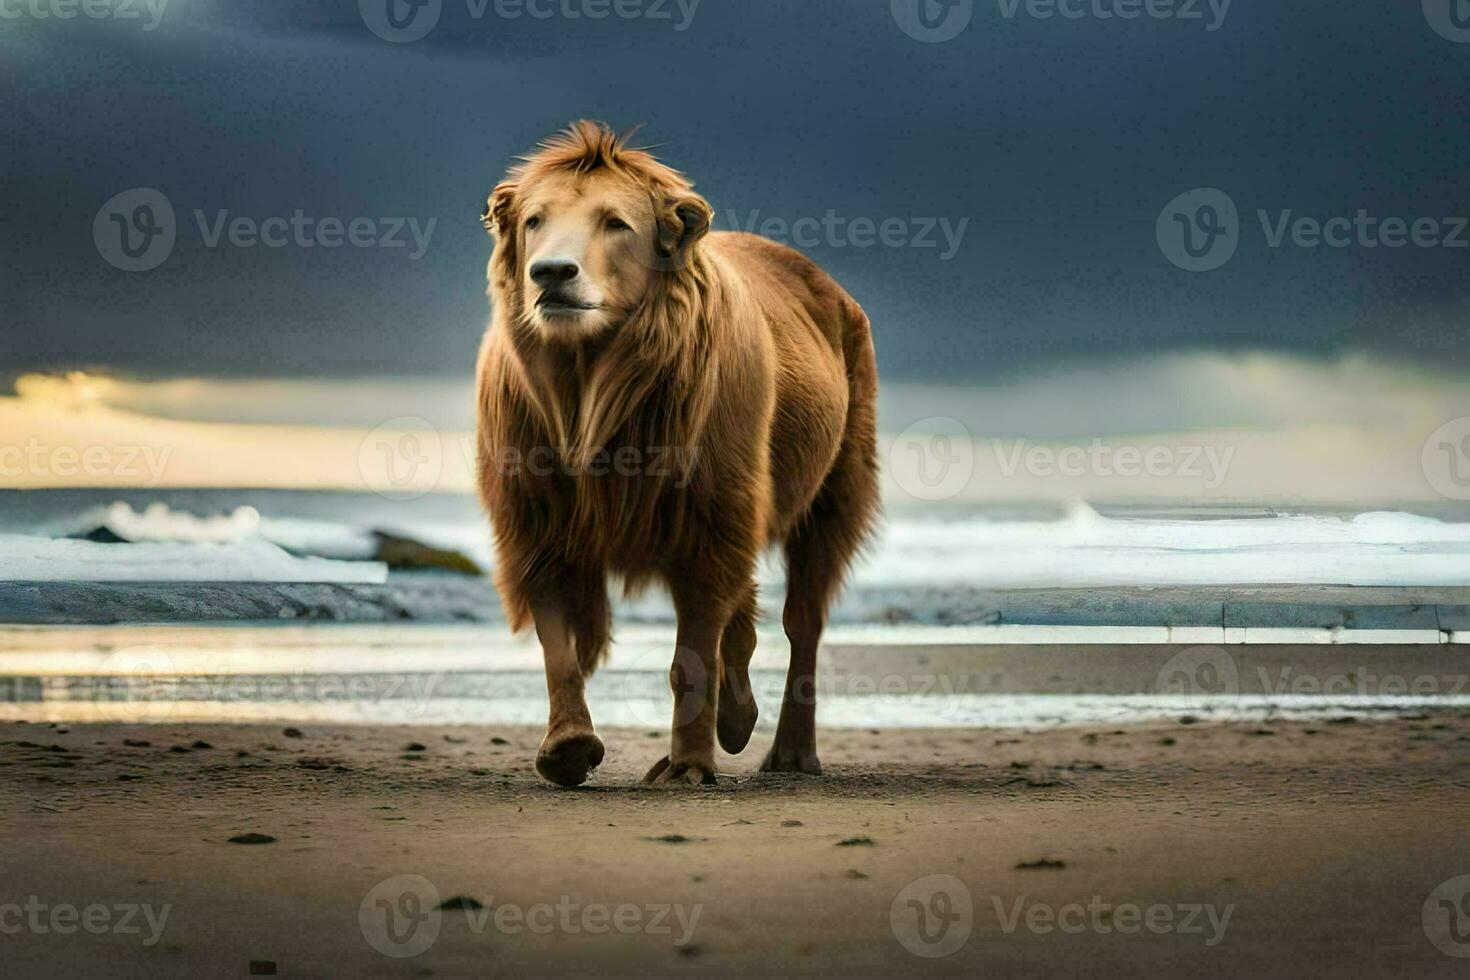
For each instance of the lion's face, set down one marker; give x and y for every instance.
(587, 248)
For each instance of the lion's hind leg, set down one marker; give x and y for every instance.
(818, 552)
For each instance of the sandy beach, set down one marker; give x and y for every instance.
(1287, 848)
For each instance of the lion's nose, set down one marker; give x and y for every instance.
(550, 272)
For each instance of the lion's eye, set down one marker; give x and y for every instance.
(618, 224)
(533, 223)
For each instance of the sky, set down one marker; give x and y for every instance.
(1007, 201)
(1261, 430)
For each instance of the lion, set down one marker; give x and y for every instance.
(625, 334)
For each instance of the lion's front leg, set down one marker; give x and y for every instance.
(571, 750)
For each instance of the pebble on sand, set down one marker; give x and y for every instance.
(1044, 864)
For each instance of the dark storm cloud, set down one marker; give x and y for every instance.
(991, 199)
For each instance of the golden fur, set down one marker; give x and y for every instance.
(728, 352)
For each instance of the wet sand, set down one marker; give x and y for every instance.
(1211, 850)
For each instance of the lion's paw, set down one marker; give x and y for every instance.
(784, 759)
(568, 759)
(665, 773)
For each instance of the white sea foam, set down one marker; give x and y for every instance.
(1082, 549)
(160, 523)
(27, 558)
(1085, 549)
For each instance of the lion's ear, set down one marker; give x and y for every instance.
(497, 218)
(682, 221)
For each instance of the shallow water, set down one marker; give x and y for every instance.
(624, 700)
(880, 679)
